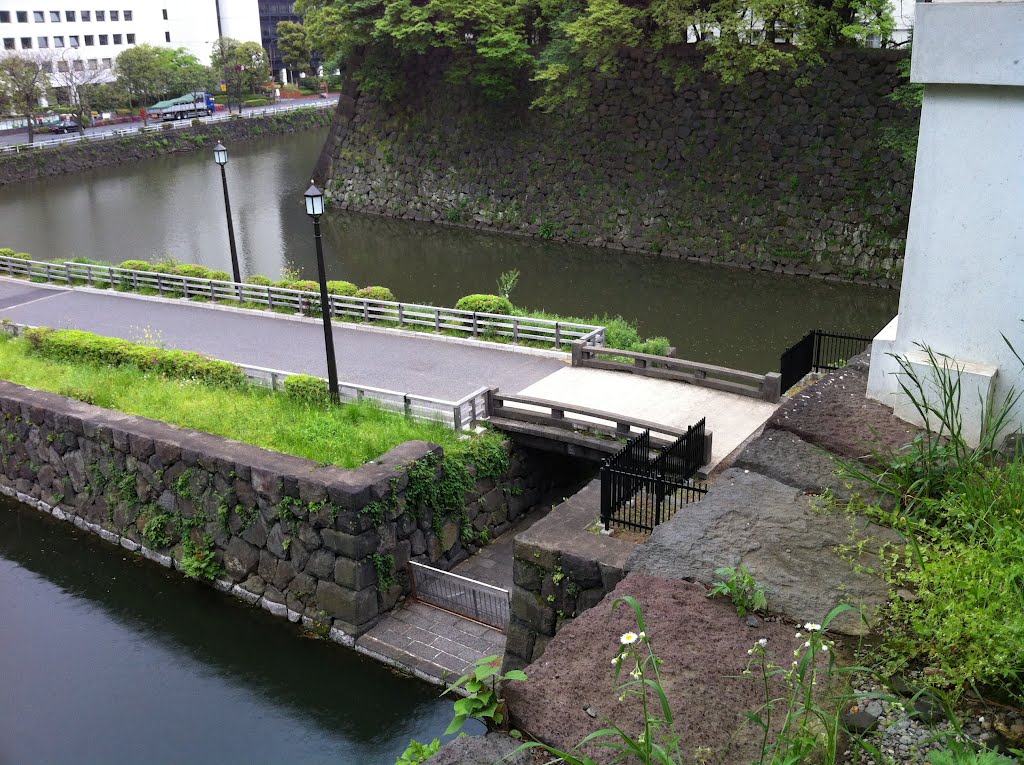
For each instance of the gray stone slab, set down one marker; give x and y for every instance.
(481, 750)
(772, 529)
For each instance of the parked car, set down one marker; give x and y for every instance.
(64, 126)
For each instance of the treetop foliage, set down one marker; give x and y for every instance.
(492, 44)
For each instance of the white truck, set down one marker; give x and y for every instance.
(194, 104)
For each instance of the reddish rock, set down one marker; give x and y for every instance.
(704, 647)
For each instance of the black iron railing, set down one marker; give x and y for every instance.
(818, 351)
(475, 600)
(683, 458)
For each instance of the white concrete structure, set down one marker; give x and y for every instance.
(963, 276)
(95, 31)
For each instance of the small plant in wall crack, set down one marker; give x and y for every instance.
(740, 586)
(384, 565)
(199, 560)
(484, 701)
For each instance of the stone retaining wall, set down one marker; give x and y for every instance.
(769, 174)
(313, 543)
(85, 155)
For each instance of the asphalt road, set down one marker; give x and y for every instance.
(404, 362)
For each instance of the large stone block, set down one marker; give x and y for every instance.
(240, 559)
(354, 546)
(354, 575)
(354, 607)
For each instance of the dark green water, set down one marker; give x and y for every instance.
(173, 206)
(105, 658)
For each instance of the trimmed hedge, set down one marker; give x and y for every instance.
(75, 345)
(346, 289)
(485, 304)
(308, 389)
(261, 281)
(376, 293)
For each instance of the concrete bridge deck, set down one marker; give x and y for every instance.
(416, 363)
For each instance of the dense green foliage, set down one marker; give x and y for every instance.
(306, 388)
(346, 289)
(293, 42)
(493, 44)
(376, 293)
(76, 346)
(485, 304)
(347, 435)
(149, 73)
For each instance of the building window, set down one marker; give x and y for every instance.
(101, 15)
(115, 15)
(43, 42)
(90, 40)
(130, 39)
(127, 15)
(26, 42)
(5, 16)
(69, 15)
(55, 16)
(93, 65)
(117, 39)
(104, 39)
(58, 41)
(107, 63)
(62, 66)
(79, 65)
(8, 43)
(167, 36)
(165, 14)
(38, 16)
(22, 17)
(48, 67)
(86, 15)
(73, 41)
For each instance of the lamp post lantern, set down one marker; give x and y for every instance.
(220, 156)
(314, 209)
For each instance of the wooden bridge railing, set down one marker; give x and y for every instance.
(767, 387)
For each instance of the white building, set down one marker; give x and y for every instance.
(95, 31)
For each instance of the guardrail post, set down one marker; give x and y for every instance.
(475, 331)
(457, 417)
(270, 298)
(577, 353)
(558, 335)
(771, 387)
(437, 319)
(67, 272)
(515, 330)
(491, 403)
(406, 405)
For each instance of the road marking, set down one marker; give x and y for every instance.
(30, 302)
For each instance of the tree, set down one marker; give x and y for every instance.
(294, 44)
(24, 80)
(492, 44)
(72, 74)
(148, 73)
(243, 65)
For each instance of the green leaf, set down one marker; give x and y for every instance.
(456, 724)
(515, 674)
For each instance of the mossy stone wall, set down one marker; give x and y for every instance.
(769, 174)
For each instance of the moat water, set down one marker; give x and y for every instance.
(173, 207)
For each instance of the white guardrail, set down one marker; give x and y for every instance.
(402, 315)
(159, 127)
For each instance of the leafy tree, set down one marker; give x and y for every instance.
(24, 81)
(294, 44)
(74, 78)
(561, 43)
(243, 65)
(148, 73)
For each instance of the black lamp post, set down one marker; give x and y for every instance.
(314, 209)
(220, 156)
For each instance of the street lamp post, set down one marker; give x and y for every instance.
(314, 209)
(220, 156)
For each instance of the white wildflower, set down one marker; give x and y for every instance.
(762, 642)
(629, 638)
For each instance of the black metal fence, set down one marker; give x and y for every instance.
(475, 600)
(639, 491)
(817, 351)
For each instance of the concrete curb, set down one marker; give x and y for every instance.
(506, 347)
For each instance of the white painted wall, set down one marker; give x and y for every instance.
(963, 276)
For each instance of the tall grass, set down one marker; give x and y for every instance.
(348, 435)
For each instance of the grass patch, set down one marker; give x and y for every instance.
(347, 435)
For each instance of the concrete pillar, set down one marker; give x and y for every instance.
(963, 276)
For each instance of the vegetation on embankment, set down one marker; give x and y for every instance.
(71, 158)
(78, 365)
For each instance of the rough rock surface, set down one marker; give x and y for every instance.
(835, 414)
(704, 647)
(788, 546)
(481, 750)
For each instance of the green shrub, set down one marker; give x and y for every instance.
(162, 268)
(74, 345)
(305, 285)
(259, 280)
(220, 276)
(7, 252)
(348, 289)
(135, 265)
(485, 304)
(192, 270)
(306, 388)
(285, 283)
(255, 102)
(196, 122)
(376, 293)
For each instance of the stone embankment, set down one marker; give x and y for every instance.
(769, 174)
(322, 545)
(86, 155)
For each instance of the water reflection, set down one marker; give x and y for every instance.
(173, 206)
(107, 658)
